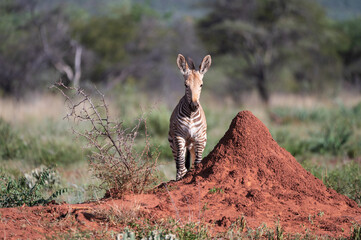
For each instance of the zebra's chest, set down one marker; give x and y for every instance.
(191, 126)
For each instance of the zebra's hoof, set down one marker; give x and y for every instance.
(180, 176)
(196, 164)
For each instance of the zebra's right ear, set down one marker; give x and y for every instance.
(182, 64)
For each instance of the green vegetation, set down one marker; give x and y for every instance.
(29, 189)
(45, 143)
(356, 232)
(334, 131)
(261, 41)
(324, 135)
(216, 190)
(345, 179)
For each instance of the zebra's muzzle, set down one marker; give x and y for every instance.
(194, 106)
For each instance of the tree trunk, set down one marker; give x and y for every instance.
(262, 86)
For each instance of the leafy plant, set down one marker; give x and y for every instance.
(216, 190)
(333, 137)
(17, 192)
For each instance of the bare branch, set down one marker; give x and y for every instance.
(114, 159)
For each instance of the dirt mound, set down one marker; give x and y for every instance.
(253, 176)
(248, 158)
(247, 174)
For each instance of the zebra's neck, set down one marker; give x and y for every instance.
(185, 108)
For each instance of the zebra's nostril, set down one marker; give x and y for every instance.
(194, 106)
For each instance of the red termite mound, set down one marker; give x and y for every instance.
(248, 157)
(257, 178)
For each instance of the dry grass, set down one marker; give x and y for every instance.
(38, 107)
(119, 215)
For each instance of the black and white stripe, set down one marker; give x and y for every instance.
(188, 126)
(188, 132)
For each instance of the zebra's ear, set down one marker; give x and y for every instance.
(205, 64)
(182, 64)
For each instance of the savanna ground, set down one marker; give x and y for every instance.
(322, 133)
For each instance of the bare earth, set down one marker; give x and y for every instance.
(255, 178)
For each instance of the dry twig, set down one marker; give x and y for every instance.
(114, 159)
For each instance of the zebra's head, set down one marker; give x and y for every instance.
(193, 79)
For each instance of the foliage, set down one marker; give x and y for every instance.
(17, 192)
(335, 134)
(109, 35)
(332, 138)
(351, 50)
(268, 38)
(49, 149)
(345, 179)
(35, 41)
(127, 43)
(216, 190)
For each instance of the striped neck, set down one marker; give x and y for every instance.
(186, 109)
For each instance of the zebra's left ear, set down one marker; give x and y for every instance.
(205, 64)
(182, 64)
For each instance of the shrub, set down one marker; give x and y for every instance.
(28, 189)
(332, 138)
(114, 158)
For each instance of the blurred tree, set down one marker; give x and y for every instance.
(264, 37)
(350, 50)
(129, 43)
(36, 47)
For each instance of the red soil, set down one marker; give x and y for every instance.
(256, 178)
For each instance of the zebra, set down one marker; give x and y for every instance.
(188, 127)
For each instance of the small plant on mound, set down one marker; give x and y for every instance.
(216, 190)
(356, 232)
(29, 189)
(115, 158)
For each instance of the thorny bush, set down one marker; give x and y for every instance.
(114, 158)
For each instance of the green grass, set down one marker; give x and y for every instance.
(344, 178)
(46, 142)
(330, 132)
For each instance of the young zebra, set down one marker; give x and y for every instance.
(188, 127)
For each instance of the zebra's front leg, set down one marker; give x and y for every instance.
(199, 147)
(180, 157)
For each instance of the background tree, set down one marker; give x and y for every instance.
(36, 46)
(263, 38)
(350, 51)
